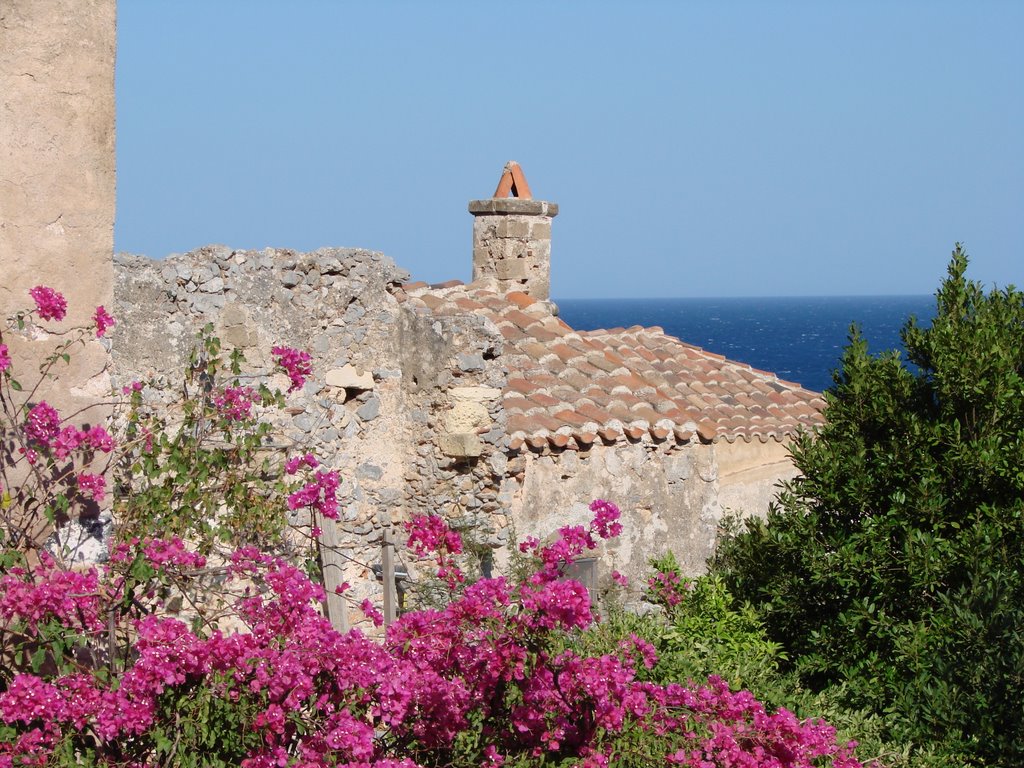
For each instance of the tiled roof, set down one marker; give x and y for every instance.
(570, 387)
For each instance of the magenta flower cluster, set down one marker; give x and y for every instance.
(430, 534)
(50, 305)
(295, 363)
(666, 588)
(92, 486)
(487, 670)
(320, 495)
(235, 403)
(5, 358)
(103, 320)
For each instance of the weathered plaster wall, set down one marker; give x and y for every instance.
(57, 151)
(669, 500)
(57, 181)
(749, 475)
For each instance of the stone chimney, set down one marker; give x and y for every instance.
(512, 236)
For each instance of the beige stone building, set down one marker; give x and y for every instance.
(476, 401)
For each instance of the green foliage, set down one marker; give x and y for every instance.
(709, 633)
(892, 566)
(198, 471)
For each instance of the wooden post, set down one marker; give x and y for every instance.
(387, 560)
(331, 562)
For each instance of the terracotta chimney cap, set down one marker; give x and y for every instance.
(513, 182)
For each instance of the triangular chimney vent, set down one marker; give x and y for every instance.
(513, 183)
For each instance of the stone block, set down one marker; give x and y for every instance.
(540, 230)
(470, 362)
(370, 410)
(511, 269)
(475, 394)
(461, 445)
(466, 416)
(349, 377)
(514, 227)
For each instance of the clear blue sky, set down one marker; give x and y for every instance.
(694, 148)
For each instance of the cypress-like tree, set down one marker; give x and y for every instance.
(895, 563)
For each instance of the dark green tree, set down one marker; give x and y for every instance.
(895, 564)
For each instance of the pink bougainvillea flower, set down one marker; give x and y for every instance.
(42, 424)
(104, 321)
(606, 518)
(295, 363)
(92, 486)
(371, 613)
(67, 440)
(50, 304)
(161, 552)
(235, 403)
(321, 494)
(5, 358)
(295, 463)
(99, 439)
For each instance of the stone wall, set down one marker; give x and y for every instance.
(405, 405)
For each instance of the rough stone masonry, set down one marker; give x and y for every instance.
(406, 405)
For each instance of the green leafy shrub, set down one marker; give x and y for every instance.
(709, 633)
(892, 566)
(203, 467)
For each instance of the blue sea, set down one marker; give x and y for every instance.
(797, 338)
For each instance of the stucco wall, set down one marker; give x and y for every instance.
(669, 500)
(57, 184)
(749, 475)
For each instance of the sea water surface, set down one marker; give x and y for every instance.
(797, 338)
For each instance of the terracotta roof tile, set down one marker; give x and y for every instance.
(558, 441)
(683, 435)
(563, 382)
(635, 433)
(520, 385)
(511, 333)
(535, 349)
(571, 417)
(707, 431)
(519, 318)
(594, 413)
(564, 352)
(520, 299)
(544, 401)
(574, 379)
(468, 304)
(536, 441)
(542, 334)
(432, 302)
